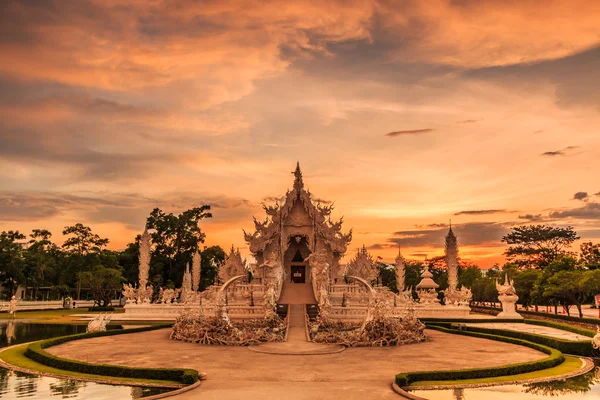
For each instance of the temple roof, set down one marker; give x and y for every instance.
(325, 228)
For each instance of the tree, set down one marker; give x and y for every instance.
(573, 287)
(103, 283)
(175, 239)
(469, 275)
(590, 255)
(536, 246)
(11, 260)
(82, 241)
(525, 286)
(211, 259)
(41, 259)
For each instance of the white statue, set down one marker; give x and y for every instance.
(320, 279)
(596, 339)
(508, 297)
(129, 292)
(99, 323)
(507, 288)
(12, 306)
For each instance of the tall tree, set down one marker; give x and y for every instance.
(536, 246)
(590, 255)
(175, 239)
(11, 260)
(41, 259)
(82, 240)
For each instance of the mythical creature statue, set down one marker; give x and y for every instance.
(99, 323)
(319, 268)
(129, 292)
(507, 288)
(596, 338)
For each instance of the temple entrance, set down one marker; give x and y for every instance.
(297, 286)
(298, 273)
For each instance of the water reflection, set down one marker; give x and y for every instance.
(16, 385)
(586, 387)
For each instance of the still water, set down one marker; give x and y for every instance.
(15, 385)
(584, 387)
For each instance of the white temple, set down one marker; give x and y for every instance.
(298, 251)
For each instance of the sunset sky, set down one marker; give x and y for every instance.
(405, 113)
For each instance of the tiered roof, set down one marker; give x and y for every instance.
(325, 228)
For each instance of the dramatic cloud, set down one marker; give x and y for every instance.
(533, 218)
(111, 108)
(563, 152)
(482, 212)
(469, 234)
(409, 132)
(587, 211)
(580, 196)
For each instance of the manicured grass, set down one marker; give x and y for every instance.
(16, 356)
(570, 364)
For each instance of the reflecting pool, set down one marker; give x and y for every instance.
(586, 387)
(16, 385)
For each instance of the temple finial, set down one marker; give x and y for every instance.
(298, 183)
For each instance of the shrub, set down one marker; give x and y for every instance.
(579, 348)
(564, 327)
(36, 352)
(555, 358)
(103, 309)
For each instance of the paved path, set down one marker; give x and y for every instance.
(238, 373)
(297, 343)
(540, 330)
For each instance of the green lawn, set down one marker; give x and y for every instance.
(571, 364)
(16, 356)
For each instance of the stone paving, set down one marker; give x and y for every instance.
(237, 372)
(530, 328)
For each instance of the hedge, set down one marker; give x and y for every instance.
(36, 352)
(562, 317)
(579, 348)
(555, 358)
(564, 327)
(103, 309)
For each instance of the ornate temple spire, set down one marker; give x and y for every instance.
(451, 251)
(196, 270)
(144, 258)
(298, 183)
(400, 271)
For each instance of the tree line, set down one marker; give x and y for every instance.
(83, 261)
(539, 261)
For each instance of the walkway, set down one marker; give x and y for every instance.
(297, 343)
(238, 373)
(530, 328)
(297, 293)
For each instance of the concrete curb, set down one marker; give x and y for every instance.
(177, 392)
(405, 394)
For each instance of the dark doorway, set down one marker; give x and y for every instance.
(298, 273)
